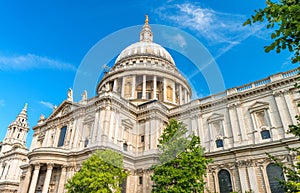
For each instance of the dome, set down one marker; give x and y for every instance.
(145, 71)
(145, 48)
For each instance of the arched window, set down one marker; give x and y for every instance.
(219, 143)
(275, 174)
(265, 134)
(224, 181)
(62, 136)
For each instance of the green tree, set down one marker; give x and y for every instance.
(182, 162)
(101, 173)
(284, 16)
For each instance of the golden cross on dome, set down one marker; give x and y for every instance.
(147, 20)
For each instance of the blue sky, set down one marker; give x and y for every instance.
(42, 44)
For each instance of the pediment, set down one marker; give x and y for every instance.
(258, 105)
(127, 123)
(63, 109)
(155, 102)
(89, 118)
(215, 117)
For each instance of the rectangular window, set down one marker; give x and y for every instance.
(141, 180)
(139, 95)
(148, 95)
(86, 142)
(219, 143)
(265, 134)
(125, 146)
(62, 136)
(143, 138)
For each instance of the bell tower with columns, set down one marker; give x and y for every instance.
(13, 153)
(17, 131)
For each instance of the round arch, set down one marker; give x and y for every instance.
(224, 179)
(275, 174)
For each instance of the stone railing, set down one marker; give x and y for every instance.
(239, 89)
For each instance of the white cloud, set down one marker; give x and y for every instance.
(2, 102)
(180, 40)
(47, 104)
(215, 27)
(175, 39)
(31, 61)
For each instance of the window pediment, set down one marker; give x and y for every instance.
(215, 117)
(257, 106)
(127, 123)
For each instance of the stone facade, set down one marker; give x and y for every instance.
(134, 102)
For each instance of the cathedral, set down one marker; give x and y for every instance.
(133, 104)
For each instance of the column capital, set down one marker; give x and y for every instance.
(37, 166)
(64, 168)
(50, 166)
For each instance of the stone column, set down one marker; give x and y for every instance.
(144, 87)
(260, 177)
(133, 87)
(123, 86)
(283, 112)
(117, 126)
(216, 181)
(115, 87)
(94, 129)
(228, 127)
(243, 173)
(147, 136)
(62, 179)
(144, 181)
(241, 123)
(174, 94)
(48, 177)
(265, 177)
(180, 95)
(24, 187)
(165, 90)
(185, 96)
(154, 87)
(252, 178)
(34, 178)
(234, 125)
(288, 104)
(100, 128)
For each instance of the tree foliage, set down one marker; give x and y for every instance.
(182, 162)
(101, 173)
(284, 16)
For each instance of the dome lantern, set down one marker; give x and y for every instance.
(146, 34)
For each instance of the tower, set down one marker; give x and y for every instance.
(13, 153)
(16, 132)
